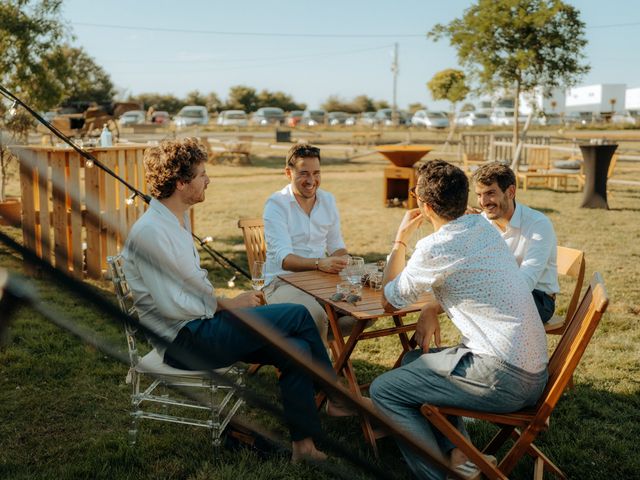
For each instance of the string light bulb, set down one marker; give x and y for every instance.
(88, 163)
(207, 239)
(14, 109)
(130, 199)
(231, 283)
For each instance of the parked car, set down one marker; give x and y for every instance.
(294, 117)
(503, 117)
(625, 118)
(367, 118)
(384, 116)
(313, 117)
(160, 117)
(429, 119)
(233, 118)
(337, 118)
(268, 116)
(132, 117)
(576, 118)
(472, 119)
(192, 115)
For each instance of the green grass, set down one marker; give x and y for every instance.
(65, 405)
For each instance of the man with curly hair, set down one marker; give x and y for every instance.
(500, 364)
(174, 297)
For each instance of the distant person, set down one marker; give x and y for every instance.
(302, 232)
(528, 233)
(500, 364)
(174, 297)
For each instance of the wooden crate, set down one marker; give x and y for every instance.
(72, 216)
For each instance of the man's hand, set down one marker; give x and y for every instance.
(332, 264)
(428, 326)
(245, 300)
(410, 222)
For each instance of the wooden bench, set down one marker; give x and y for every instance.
(365, 138)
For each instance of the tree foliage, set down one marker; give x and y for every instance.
(450, 85)
(518, 44)
(242, 97)
(159, 101)
(278, 99)
(83, 79)
(359, 104)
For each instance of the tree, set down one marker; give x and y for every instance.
(162, 102)
(414, 107)
(83, 79)
(450, 85)
(242, 97)
(468, 107)
(518, 45)
(213, 103)
(278, 99)
(31, 34)
(194, 97)
(362, 103)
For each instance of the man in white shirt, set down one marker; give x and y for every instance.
(528, 233)
(174, 297)
(302, 232)
(501, 362)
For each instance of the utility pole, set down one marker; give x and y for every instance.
(394, 70)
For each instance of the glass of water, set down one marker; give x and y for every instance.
(257, 275)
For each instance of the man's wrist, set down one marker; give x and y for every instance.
(399, 242)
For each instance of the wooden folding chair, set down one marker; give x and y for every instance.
(471, 162)
(525, 425)
(570, 263)
(253, 235)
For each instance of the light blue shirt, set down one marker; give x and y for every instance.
(289, 230)
(162, 267)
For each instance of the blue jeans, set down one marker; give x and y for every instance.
(449, 377)
(223, 340)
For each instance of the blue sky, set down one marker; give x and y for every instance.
(307, 62)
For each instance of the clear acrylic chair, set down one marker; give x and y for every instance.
(167, 394)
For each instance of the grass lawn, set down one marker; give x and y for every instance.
(65, 405)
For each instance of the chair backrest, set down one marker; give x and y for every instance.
(572, 264)
(470, 160)
(254, 243)
(573, 343)
(538, 158)
(125, 301)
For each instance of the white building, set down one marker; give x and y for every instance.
(551, 101)
(597, 99)
(632, 99)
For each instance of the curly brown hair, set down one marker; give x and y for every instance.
(171, 161)
(444, 187)
(495, 172)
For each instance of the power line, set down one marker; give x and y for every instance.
(253, 34)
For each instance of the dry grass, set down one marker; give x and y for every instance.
(56, 394)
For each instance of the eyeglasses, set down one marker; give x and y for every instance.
(303, 151)
(414, 193)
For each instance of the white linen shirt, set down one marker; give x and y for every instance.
(475, 278)
(289, 230)
(532, 240)
(162, 267)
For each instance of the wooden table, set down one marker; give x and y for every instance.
(322, 286)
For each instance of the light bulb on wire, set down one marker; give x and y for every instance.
(13, 110)
(88, 163)
(131, 198)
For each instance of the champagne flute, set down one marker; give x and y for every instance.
(257, 275)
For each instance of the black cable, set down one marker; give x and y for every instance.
(217, 256)
(21, 290)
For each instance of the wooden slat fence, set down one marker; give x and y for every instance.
(87, 217)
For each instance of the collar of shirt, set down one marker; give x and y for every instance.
(166, 214)
(288, 190)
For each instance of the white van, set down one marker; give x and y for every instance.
(192, 115)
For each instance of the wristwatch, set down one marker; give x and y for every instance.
(317, 264)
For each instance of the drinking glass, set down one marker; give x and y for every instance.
(355, 270)
(257, 275)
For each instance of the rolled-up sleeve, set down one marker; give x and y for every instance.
(418, 276)
(541, 246)
(276, 231)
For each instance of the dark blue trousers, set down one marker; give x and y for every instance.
(223, 340)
